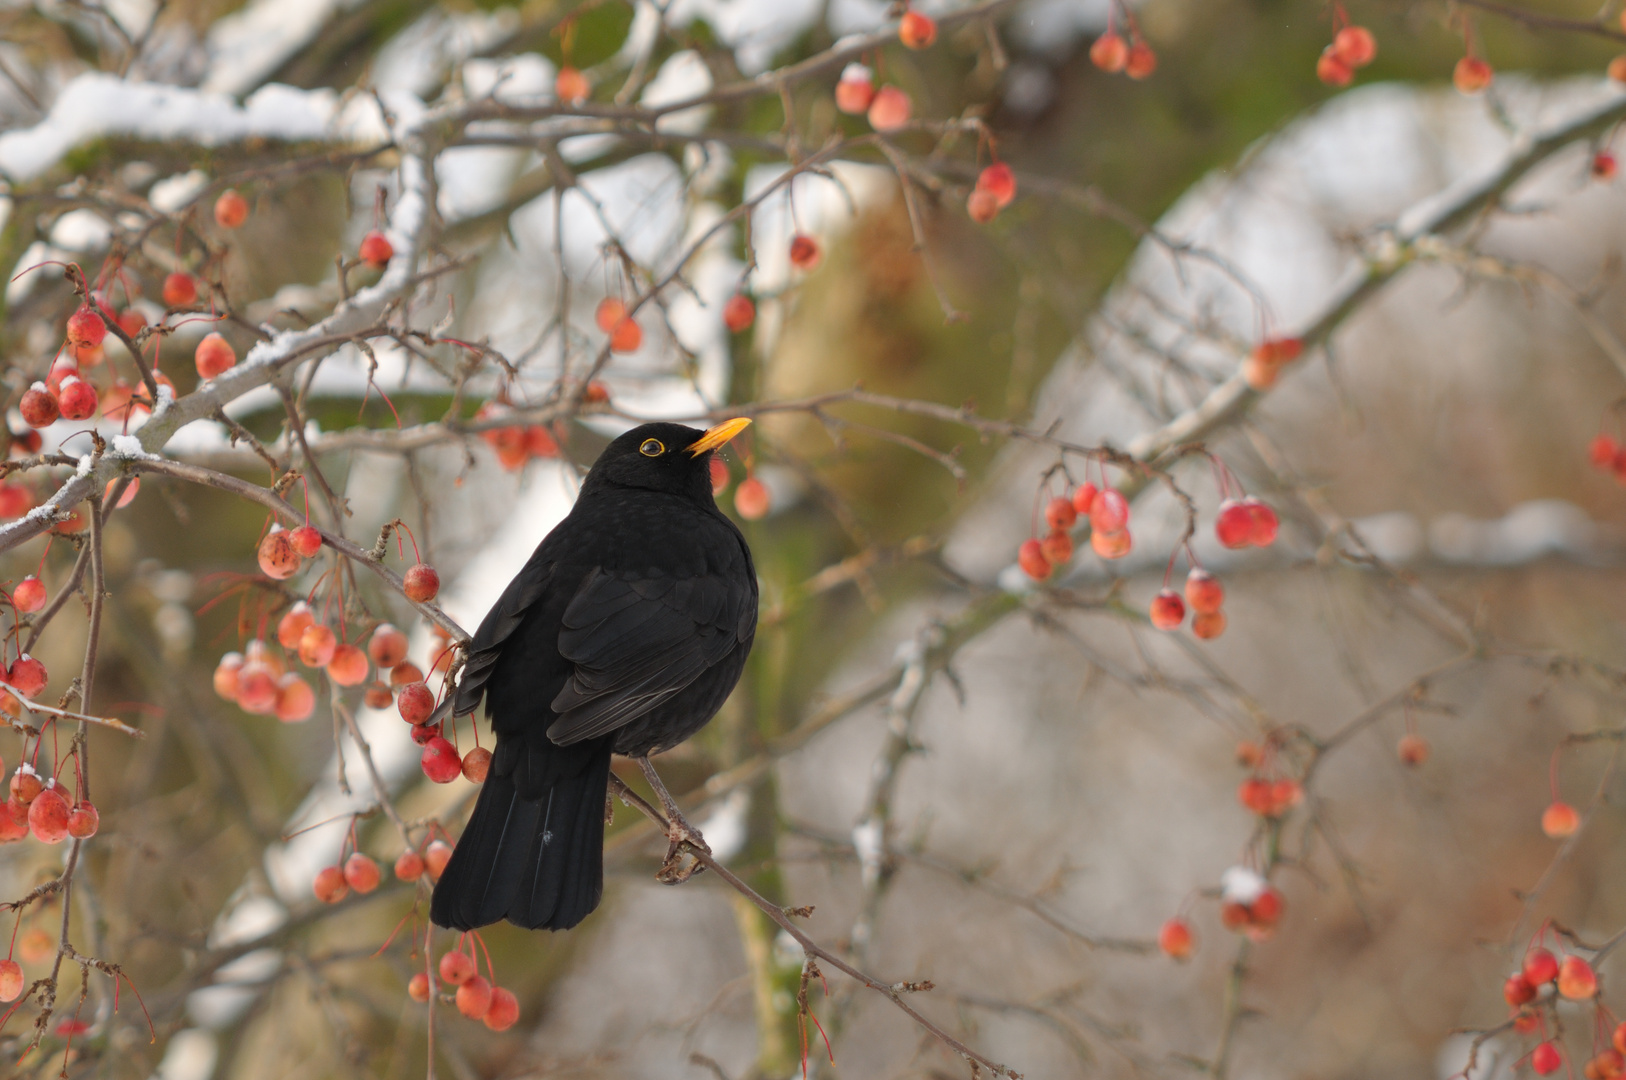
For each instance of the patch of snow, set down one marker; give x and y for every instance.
(173, 193)
(82, 230)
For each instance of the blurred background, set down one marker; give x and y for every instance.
(1003, 787)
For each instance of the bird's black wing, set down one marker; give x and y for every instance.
(500, 622)
(637, 641)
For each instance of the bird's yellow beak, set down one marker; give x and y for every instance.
(717, 436)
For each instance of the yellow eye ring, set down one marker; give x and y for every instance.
(651, 448)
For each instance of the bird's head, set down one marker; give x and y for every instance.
(663, 457)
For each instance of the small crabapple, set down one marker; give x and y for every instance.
(1576, 979)
(361, 873)
(1471, 75)
(1601, 451)
(916, 30)
(291, 627)
(1262, 523)
(1604, 165)
(1267, 909)
(1084, 498)
(571, 86)
(83, 821)
(421, 583)
(38, 407)
(36, 947)
(1617, 69)
(1031, 558)
(29, 595)
(1141, 62)
(456, 968)
(16, 500)
(48, 816)
(180, 290)
(376, 250)
(1233, 526)
(1254, 794)
(418, 987)
(474, 997)
(1209, 625)
(1540, 966)
(213, 356)
(1060, 514)
(405, 672)
(752, 499)
(86, 328)
(1057, 547)
(1518, 990)
(1559, 820)
(1355, 46)
(377, 695)
(1175, 939)
(296, 700)
(504, 1010)
(257, 688)
(317, 645)
(1111, 545)
(981, 206)
(626, 336)
(329, 885)
(231, 209)
(415, 701)
(855, 90)
(890, 110)
(804, 252)
(476, 763)
(28, 675)
(1333, 69)
(225, 678)
(1412, 749)
(739, 313)
(13, 823)
(11, 980)
(77, 399)
(719, 476)
(435, 857)
(409, 866)
(1233, 915)
(1109, 52)
(1545, 1059)
(1249, 753)
(278, 559)
(1167, 610)
(1109, 512)
(608, 313)
(440, 761)
(348, 666)
(1204, 592)
(387, 647)
(999, 181)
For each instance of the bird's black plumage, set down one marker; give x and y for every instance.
(624, 633)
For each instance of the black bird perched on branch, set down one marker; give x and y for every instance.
(624, 633)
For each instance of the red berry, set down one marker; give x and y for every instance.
(1546, 1059)
(752, 499)
(11, 980)
(1618, 1040)
(16, 500)
(476, 763)
(1057, 548)
(409, 866)
(1109, 513)
(226, 675)
(981, 206)
(1233, 916)
(1604, 165)
(456, 968)
(1255, 795)
(739, 313)
(1355, 46)
(1602, 452)
(804, 252)
(1518, 990)
(132, 322)
(1175, 939)
(1142, 61)
(38, 406)
(1413, 749)
(1262, 523)
(387, 647)
(1060, 514)
(277, 556)
(307, 541)
(1576, 979)
(329, 885)
(719, 476)
(180, 290)
(77, 400)
(1233, 527)
(421, 584)
(999, 181)
(1084, 498)
(890, 110)
(1204, 592)
(916, 31)
(1110, 53)
(856, 90)
(1617, 72)
(1540, 966)
(349, 666)
(571, 86)
(27, 675)
(257, 688)
(1111, 545)
(1208, 625)
(609, 312)
(440, 761)
(504, 1010)
(291, 627)
(1030, 557)
(1471, 75)
(29, 595)
(377, 695)
(422, 733)
(415, 701)
(626, 336)
(231, 209)
(418, 987)
(48, 816)
(435, 857)
(1331, 68)
(214, 356)
(405, 672)
(1267, 909)
(1559, 820)
(86, 328)
(296, 700)
(361, 873)
(317, 645)
(376, 250)
(474, 997)
(26, 786)
(1167, 611)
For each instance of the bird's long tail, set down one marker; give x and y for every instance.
(533, 851)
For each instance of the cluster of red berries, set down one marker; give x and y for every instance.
(517, 444)
(1265, 792)
(40, 807)
(66, 392)
(283, 551)
(477, 997)
(1204, 595)
(1264, 365)
(1250, 904)
(996, 187)
(1112, 54)
(1108, 514)
(887, 108)
(260, 684)
(361, 873)
(1532, 993)
(1246, 522)
(1352, 48)
(612, 318)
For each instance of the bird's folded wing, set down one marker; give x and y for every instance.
(635, 642)
(500, 622)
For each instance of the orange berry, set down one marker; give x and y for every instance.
(608, 313)
(376, 250)
(1031, 558)
(456, 968)
(278, 559)
(571, 86)
(1355, 46)
(361, 873)
(296, 700)
(1167, 610)
(1111, 545)
(1208, 625)
(626, 336)
(1142, 61)
(348, 666)
(804, 252)
(981, 206)
(856, 90)
(418, 987)
(409, 866)
(1559, 820)
(1175, 939)
(1110, 53)
(1617, 69)
(474, 997)
(329, 885)
(504, 1010)
(180, 290)
(999, 181)
(317, 645)
(435, 858)
(890, 110)
(421, 583)
(1058, 548)
(387, 647)
(1576, 979)
(476, 763)
(1413, 749)
(752, 499)
(917, 31)
(1332, 69)
(1471, 75)
(231, 209)
(214, 356)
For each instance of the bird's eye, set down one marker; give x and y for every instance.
(651, 448)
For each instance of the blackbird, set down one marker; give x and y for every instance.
(624, 633)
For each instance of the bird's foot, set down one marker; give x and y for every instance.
(683, 841)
